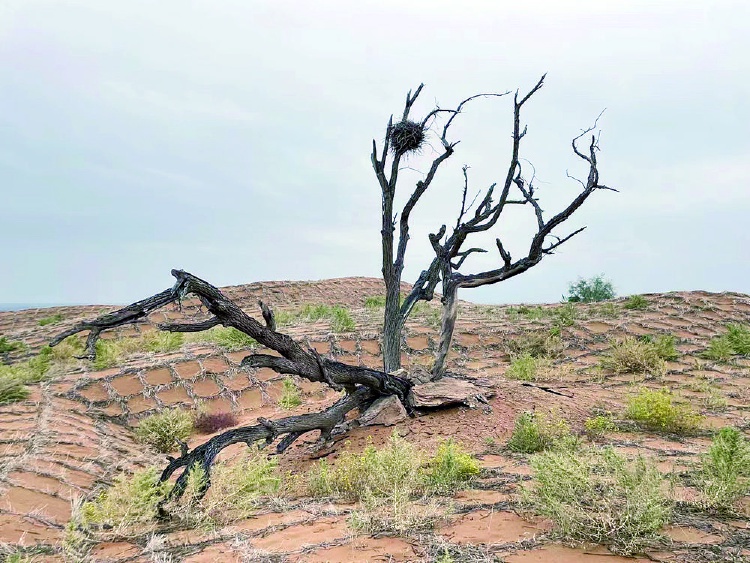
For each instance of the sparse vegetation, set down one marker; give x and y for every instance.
(538, 344)
(597, 496)
(290, 394)
(535, 432)
(51, 320)
(449, 468)
(163, 431)
(599, 425)
(10, 345)
(228, 338)
(339, 317)
(529, 368)
(375, 302)
(591, 290)
(736, 341)
(632, 355)
(725, 470)
(636, 302)
(657, 410)
(12, 388)
(112, 352)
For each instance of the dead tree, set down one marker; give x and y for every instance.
(402, 138)
(448, 254)
(362, 385)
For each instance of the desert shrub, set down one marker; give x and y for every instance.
(735, 341)
(9, 345)
(534, 432)
(375, 471)
(12, 388)
(587, 291)
(51, 320)
(163, 430)
(228, 338)
(375, 302)
(563, 316)
(725, 470)
(539, 344)
(450, 468)
(657, 410)
(665, 347)
(208, 423)
(162, 341)
(636, 302)
(237, 487)
(111, 352)
(339, 317)
(290, 394)
(597, 496)
(631, 355)
(396, 514)
(523, 367)
(598, 425)
(131, 501)
(532, 313)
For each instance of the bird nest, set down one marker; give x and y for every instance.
(406, 136)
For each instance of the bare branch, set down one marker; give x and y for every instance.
(190, 327)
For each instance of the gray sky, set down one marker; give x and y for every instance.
(232, 138)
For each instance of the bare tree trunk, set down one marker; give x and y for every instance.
(392, 326)
(448, 323)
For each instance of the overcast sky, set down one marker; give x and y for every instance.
(232, 139)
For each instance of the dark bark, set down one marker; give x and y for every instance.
(394, 252)
(362, 385)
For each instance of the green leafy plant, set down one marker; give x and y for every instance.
(535, 432)
(597, 496)
(163, 431)
(598, 425)
(587, 291)
(51, 320)
(736, 341)
(657, 410)
(636, 302)
(632, 355)
(10, 346)
(290, 394)
(725, 470)
(450, 468)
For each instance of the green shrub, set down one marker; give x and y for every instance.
(563, 316)
(534, 432)
(597, 496)
(397, 514)
(598, 425)
(725, 470)
(339, 317)
(10, 346)
(375, 302)
(523, 367)
(735, 341)
(12, 388)
(656, 410)
(636, 302)
(228, 338)
(450, 468)
(51, 320)
(631, 355)
(163, 341)
(587, 291)
(163, 430)
(290, 394)
(130, 501)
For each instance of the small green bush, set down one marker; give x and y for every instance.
(130, 501)
(631, 355)
(534, 432)
(51, 320)
(636, 302)
(12, 388)
(228, 338)
(163, 430)
(593, 289)
(725, 470)
(597, 496)
(450, 468)
(375, 302)
(10, 346)
(290, 394)
(598, 425)
(523, 367)
(163, 341)
(735, 341)
(656, 410)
